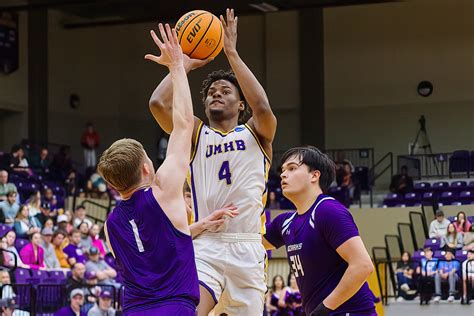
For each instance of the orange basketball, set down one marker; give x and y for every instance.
(200, 34)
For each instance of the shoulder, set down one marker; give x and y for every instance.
(329, 207)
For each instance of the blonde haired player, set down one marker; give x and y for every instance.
(229, 166)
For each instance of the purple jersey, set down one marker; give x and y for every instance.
(155, 259)
(311, 241)
(74, 251)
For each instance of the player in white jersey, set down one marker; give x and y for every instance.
(229, 165)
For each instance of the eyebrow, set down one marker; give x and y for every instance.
(289, 164)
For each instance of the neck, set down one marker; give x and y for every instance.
(304, 200)
(224, 125)
(127, 194)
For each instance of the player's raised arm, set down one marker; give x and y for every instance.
(171, 175)
(263, 120)
(161, 101)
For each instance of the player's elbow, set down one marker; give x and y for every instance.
(366, 268)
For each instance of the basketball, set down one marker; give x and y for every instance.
(200, 34)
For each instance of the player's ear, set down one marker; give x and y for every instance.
(315, 175)
(241, 106)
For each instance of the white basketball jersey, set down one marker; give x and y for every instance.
(230, 168)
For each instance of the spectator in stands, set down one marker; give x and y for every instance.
(73, 250)
(293, 298)
(62, 164)
(447, 271)
(439, 226)
(401, 183)
(34, 203)
(452, 240)
(90, 141)
(57, 241)
(405, 273)
(50, 259)
(5, 186)
(77, 300)
(64, 223)
(462, 224)
(76, 280)
(80, 216)
(18, 162)
(45, 214)
(7, 291)
(40, 163)
(33, 254)
(104, 306)
(272, 203)
(468, 274)
(428, 264)
(9, 208)
(468, 239)
(86, 240)
(96, 241)
(47, 196)
(275, 302)
(105, 274)
(346, 180)
(10, 238)
(25, 225)
(49, 224)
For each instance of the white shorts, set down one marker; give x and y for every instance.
(232, 268)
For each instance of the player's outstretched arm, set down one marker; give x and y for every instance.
(171, 175)
(263, 120)
(161, 101)
(214, 222)
(359, 268)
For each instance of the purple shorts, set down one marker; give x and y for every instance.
(168, 309)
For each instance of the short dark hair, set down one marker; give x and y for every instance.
(315, 160)
(11, 193)
(228, 76)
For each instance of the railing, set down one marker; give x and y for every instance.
(386, 165)
(380, 257)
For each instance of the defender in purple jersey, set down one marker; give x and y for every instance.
(148, 231)
(325, 252)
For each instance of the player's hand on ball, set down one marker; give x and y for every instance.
(230, 31)
(191, 63)
(216, 220)
(171, 52)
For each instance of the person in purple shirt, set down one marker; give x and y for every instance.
(325, 251)
(148, 231)
(74, 251)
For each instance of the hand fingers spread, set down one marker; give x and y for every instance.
(152, 57)
(168, 32)
(163, 33)
(156, 39)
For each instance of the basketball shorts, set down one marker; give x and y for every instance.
(231, 266)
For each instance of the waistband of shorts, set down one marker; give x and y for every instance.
(232, 237)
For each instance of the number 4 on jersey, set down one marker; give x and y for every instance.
(296, 266)
(224, 172)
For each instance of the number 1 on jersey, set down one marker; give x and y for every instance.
(224, 172)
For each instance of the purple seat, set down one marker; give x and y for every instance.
(458, 185)
(439, 254)
(4, 229)
(39, 274)
(22, 275)
(440, 186)
(457, 203)
(421, 187)
(466, 197)
(448, 197)
(33, 281)
(418, 255)
(411, 198)
(471, 219)
(461, 255)
(452, 219)
(341, 194)
(58, 275)
(459, 161)
(433, 243)
(428, 198)
(392, 199)
(400, 205)
(20, 243)
(471, 185)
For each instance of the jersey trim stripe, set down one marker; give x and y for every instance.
(107, 239)
(193, 189)
(258, 142)
(221, 133)
(196, 141)
(311, 219)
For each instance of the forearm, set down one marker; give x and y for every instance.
(182, 104)
(351, 282)
(251, 88)
(196, 229)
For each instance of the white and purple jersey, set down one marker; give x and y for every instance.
(155, 259)
(311, 240)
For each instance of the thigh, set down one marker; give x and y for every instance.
(169, 309)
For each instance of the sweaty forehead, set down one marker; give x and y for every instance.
(221, 83)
